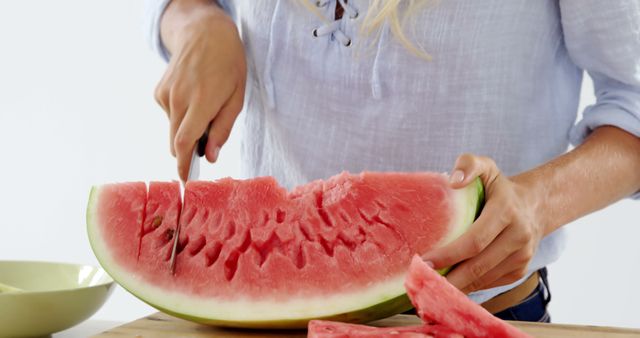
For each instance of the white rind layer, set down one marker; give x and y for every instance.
(248, 310)
(465, 201)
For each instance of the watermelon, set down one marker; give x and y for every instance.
(329, 329)
(438, 301)
(252, 254)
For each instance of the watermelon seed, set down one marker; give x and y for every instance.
(168, 235)
(156, 222)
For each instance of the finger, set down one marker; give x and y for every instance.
(471, 273)
(468, 167)
(513, 268)
(223, 124)
(161, 93)
(509, 261)
(508, 278)
(194, 124)
(175, 120)
(178, 107)
(480, 234)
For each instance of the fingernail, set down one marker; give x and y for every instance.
(216, 151)
(457, 176)
(430, 264)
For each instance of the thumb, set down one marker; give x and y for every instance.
(469, 166)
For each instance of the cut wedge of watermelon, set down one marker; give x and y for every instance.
(437, 301)
(251, 254)
(329, 329)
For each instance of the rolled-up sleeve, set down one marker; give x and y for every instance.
(153, 10)
(603, 38)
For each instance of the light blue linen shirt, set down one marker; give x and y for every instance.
(504, 82)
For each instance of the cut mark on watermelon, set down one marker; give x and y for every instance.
(351, 245)
(231, 230)
(377, 220)
(344, 216)
(231, 265)
(300, 261)
(380, 205)
(320, 208)
(144, 218)
(325, 245)
(189, 216)
(305, 232)
(182, 244)
(197, 246)
(267, 247)
(280, 216)
(211, 255)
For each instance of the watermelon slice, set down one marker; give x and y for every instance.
(252, 254)
(329, 329)
(437, 301)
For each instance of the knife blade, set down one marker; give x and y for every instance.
(193, 175)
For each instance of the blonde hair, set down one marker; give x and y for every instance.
(381, 11)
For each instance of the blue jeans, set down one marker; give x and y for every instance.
(534, 307)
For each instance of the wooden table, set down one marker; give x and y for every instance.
(163, 325)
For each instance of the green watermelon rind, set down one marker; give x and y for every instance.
(472, 200)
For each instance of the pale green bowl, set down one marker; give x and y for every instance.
(52, 296)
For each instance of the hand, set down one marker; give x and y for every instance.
(499, 245)
(204, 83)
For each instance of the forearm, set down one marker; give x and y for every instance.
(183, 14)
(604, 169)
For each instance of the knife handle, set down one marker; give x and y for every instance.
(202, 142)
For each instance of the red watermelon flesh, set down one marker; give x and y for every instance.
(329, 329)
(438, 301)
(252, 254)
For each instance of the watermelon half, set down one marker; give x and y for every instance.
(252, 254)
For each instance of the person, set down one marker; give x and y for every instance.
(488, 87)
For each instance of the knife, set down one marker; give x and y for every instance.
(193, 175)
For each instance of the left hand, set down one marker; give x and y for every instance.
(499, 245)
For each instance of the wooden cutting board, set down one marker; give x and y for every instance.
(162, 325)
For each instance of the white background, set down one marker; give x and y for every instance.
(76, 109)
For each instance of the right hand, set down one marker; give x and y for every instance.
(204, 83)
